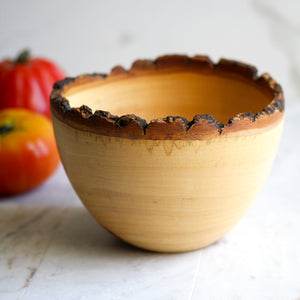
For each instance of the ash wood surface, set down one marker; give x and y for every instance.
(177, 183)
(167, 195)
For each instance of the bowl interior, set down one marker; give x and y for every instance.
(179, 93)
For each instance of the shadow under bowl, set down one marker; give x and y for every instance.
(175, 183)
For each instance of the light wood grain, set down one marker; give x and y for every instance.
(176, 183)
(167, 195)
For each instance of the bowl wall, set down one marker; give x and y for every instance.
(167, 195)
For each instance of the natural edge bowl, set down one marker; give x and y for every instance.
(177, 183)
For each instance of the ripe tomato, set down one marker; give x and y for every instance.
(27, 83)
(28, 152)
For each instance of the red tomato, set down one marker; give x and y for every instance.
(27, 83)
(28, 152)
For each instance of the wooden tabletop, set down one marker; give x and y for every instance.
(62, 253)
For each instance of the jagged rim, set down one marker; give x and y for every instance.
(170, 127)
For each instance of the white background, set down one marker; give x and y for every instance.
(260, 257)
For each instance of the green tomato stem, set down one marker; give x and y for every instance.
(23, 57)
(7, 128)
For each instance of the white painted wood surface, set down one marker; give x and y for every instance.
(62, 253)
(50, 248)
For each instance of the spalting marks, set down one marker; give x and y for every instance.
(168, 147)
(151, 144)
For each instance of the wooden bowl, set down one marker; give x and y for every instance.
(173, 183)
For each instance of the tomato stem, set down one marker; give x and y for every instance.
(23, 57)
(6, 128)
